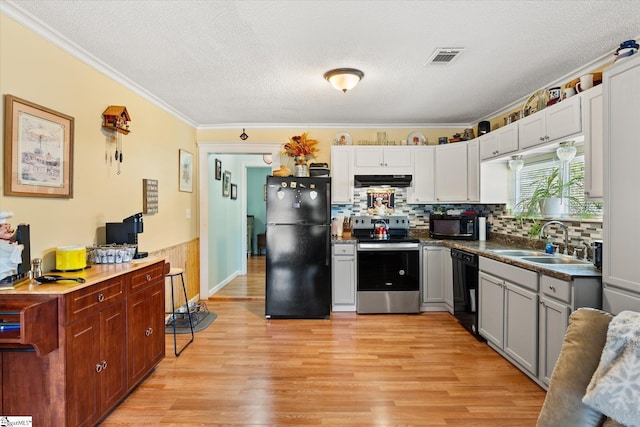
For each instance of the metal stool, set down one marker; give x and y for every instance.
(171, 274)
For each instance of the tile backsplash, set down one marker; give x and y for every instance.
(500, 222)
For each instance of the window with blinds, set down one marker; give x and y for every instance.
(532, 172)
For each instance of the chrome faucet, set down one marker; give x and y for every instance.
(566, 234)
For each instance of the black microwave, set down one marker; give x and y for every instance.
(458, 227)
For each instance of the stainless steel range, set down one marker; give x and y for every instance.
(388, 265)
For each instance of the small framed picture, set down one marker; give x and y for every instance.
(226, 184)
(186, 171)
(234, 192)
(218, 170)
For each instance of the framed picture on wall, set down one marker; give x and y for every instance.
(226, 184)
(38, 150)
(234, 192)
(218, 170)
(186, 171)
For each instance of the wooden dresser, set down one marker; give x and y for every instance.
(81, 348)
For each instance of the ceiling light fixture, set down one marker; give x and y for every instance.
(344, 79)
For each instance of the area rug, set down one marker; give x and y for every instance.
(200, 319)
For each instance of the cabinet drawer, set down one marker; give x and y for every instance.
(344, 249)
(142, 278)
(520, 276)
(91, 299)
(556, 288)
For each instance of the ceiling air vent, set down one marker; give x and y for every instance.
(443, 56)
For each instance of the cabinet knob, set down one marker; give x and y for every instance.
(100, 297)
(98, 367)
(147, 332)
(552, 288)
(148, 277)
(104, 364)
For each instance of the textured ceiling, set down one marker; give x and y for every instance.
(243, 63)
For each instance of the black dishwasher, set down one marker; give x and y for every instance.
(465, 290)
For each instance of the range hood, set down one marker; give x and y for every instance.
(382, 180)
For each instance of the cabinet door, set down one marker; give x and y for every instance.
(592, 123)
(451, 172)
(491, 309)
(622, 198)
(368, 158)
(113, 355)
(488, 145)
(447, 278)
(155, 322)
(83, 377)
(136, 337)
(554, 320)
(532, 130)
(422, 188)
(398, 157)
(508, 139)
(521, 326)
(432, 284)
(341, 175)
(473, 170)
(344, 282)
(563, 119)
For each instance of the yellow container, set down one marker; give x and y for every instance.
(69, 258)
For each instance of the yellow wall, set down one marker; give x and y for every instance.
(34, 69)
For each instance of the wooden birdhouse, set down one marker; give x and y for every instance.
(117, 118)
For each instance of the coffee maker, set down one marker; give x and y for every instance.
(126, 232)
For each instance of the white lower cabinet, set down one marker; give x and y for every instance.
(447, 279)
(509, 312)
(526, 324)
(435, 261)
(508, 320)
(343, 277)
(554, 320)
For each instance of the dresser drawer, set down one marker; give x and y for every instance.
(556, 288)
(93, 298)
(144, 277)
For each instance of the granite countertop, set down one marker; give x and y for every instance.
(563, 271)
(501, 242)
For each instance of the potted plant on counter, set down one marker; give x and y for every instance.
(546, 200)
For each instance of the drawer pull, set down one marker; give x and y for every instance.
(553, 288)
(100, 297)
(149, 277)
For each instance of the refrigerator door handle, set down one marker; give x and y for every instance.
(327, 253)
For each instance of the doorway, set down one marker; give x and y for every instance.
(208, 215)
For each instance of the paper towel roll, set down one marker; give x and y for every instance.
(482, 228)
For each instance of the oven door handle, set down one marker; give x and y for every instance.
(388, 246)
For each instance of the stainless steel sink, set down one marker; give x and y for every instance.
(519, 252)
(555, 260)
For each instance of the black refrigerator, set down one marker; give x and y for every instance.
(298, 238)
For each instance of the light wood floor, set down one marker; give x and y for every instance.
(352, 370)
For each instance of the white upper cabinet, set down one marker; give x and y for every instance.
(422, 188)
(592, 123)
(342, 175)
(451, 172)
(473, 170)
(383, 160)
(552, 123)
(499, 142)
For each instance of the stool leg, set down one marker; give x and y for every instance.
(175, 319)
(186, 301)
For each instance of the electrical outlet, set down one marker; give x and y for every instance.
(188, 213)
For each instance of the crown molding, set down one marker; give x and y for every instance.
(32, 23)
